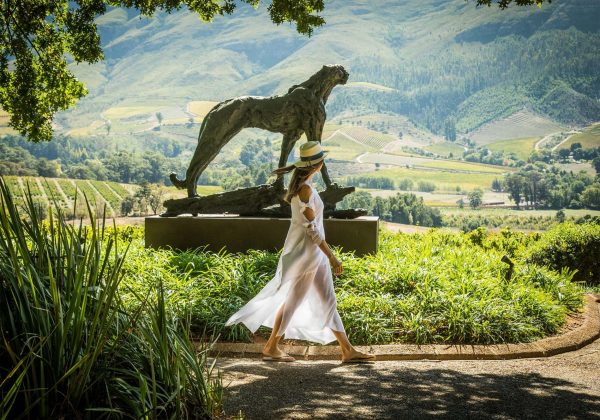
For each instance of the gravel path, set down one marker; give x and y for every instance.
(566, 386)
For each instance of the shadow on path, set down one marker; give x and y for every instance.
(325, 390)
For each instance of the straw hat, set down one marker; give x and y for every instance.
(311, 153)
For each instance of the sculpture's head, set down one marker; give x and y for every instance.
(323, 81)
(335, 73)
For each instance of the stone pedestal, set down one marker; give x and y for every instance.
(239, 234)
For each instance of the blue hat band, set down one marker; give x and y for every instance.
(313, 157)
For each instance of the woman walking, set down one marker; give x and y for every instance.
(299, 301)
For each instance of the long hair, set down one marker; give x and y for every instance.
(298, 177)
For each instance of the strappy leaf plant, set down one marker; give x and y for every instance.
(68, 346)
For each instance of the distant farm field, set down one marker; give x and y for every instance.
(127, 111)
(368, 137)
(342, 147)
(200, 108)
(522, 124)
(469, 167)
(4, 127)
(520, 147)
(441, 199)
(438, 164)
(468, 219)
(589, 138)
(511, 212)
(445, 181)
(578, 167)
(63, 191)
(445, 148)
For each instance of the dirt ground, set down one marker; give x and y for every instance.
(560, 387)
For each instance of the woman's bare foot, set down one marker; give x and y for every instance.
(354, 355)
(276, 354)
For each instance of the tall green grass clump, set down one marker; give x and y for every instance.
(440, 287)
(209, 286)
(69, 347)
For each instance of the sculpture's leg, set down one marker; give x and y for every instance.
(289, 140)
(314, 132)
(325, 176)
(199, 162)
(214, 135)
(324, 172)
(194, 176)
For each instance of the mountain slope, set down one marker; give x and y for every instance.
(437, 61)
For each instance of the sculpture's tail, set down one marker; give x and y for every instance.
(178, 183)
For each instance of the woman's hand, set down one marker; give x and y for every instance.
(337, 265)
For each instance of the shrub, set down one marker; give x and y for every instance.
(426, 186)
(405, 184)
(570, 245)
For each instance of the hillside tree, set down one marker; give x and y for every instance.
(590, 197)
(596, 164)
(155, 199)
(475, 198)
(514, 185)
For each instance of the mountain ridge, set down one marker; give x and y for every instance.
(433, 56)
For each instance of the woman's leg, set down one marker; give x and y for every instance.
(342, 339)
(284, 315)
(271, 345)
(348, 351)
(323, 281)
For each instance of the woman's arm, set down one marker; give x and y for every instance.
(304, 194)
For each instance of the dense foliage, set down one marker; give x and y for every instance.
(483, 154)
(105, 159)
(401, 208)
(572, 246)
(70, 347)
(470, 221)
(491, 71)
(540, 185)
(80, 158)
(575, 152)
(422, 288)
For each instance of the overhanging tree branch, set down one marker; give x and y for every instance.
(35, 79)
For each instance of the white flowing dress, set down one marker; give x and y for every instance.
(303, 283)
